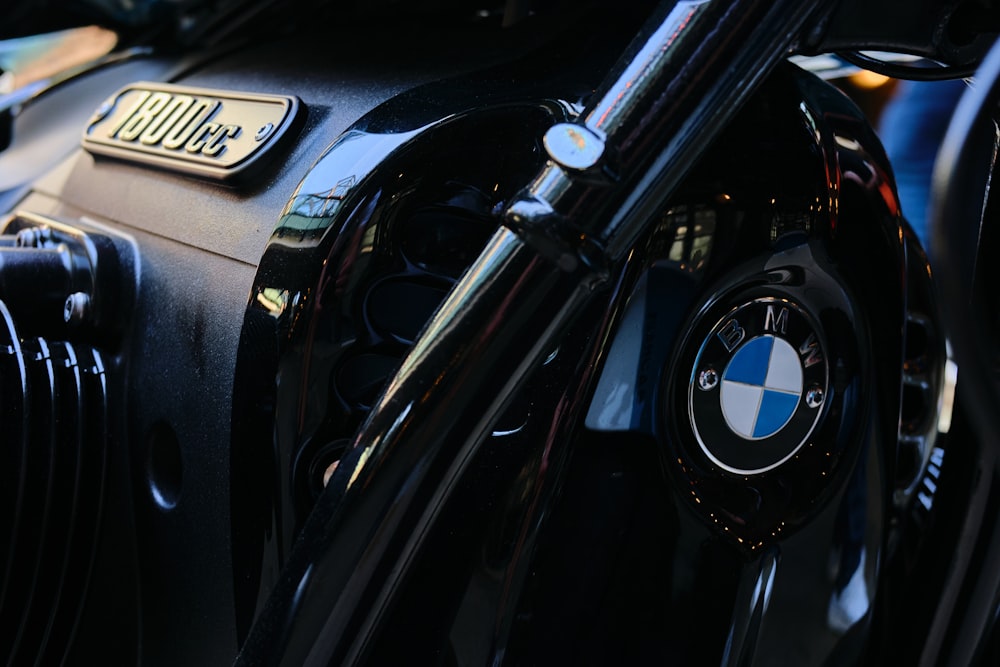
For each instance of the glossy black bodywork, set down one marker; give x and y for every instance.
(502, 574)
(404, 250)
(554, 540)
(699, 537)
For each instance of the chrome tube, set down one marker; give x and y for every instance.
(612, 170)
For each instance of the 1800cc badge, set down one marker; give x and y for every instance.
(202, 132)
(758, 386)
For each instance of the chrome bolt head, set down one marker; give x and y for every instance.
(814, 397)
(77, 308)
(708, 379)
(263, 132)
(573, 146)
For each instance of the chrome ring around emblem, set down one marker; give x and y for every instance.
(762, 408)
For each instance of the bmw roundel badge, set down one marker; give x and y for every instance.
(758, 385)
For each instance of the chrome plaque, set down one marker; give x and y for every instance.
(208, 133)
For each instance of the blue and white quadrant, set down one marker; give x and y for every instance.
(761, 387)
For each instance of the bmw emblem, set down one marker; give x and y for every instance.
(758, 386)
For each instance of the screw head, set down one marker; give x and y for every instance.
(814, 396)
(708, 379)
(77, 308)
(263, 132)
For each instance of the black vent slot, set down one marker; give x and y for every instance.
(923, 388)
(420, 256)
(399, 308)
